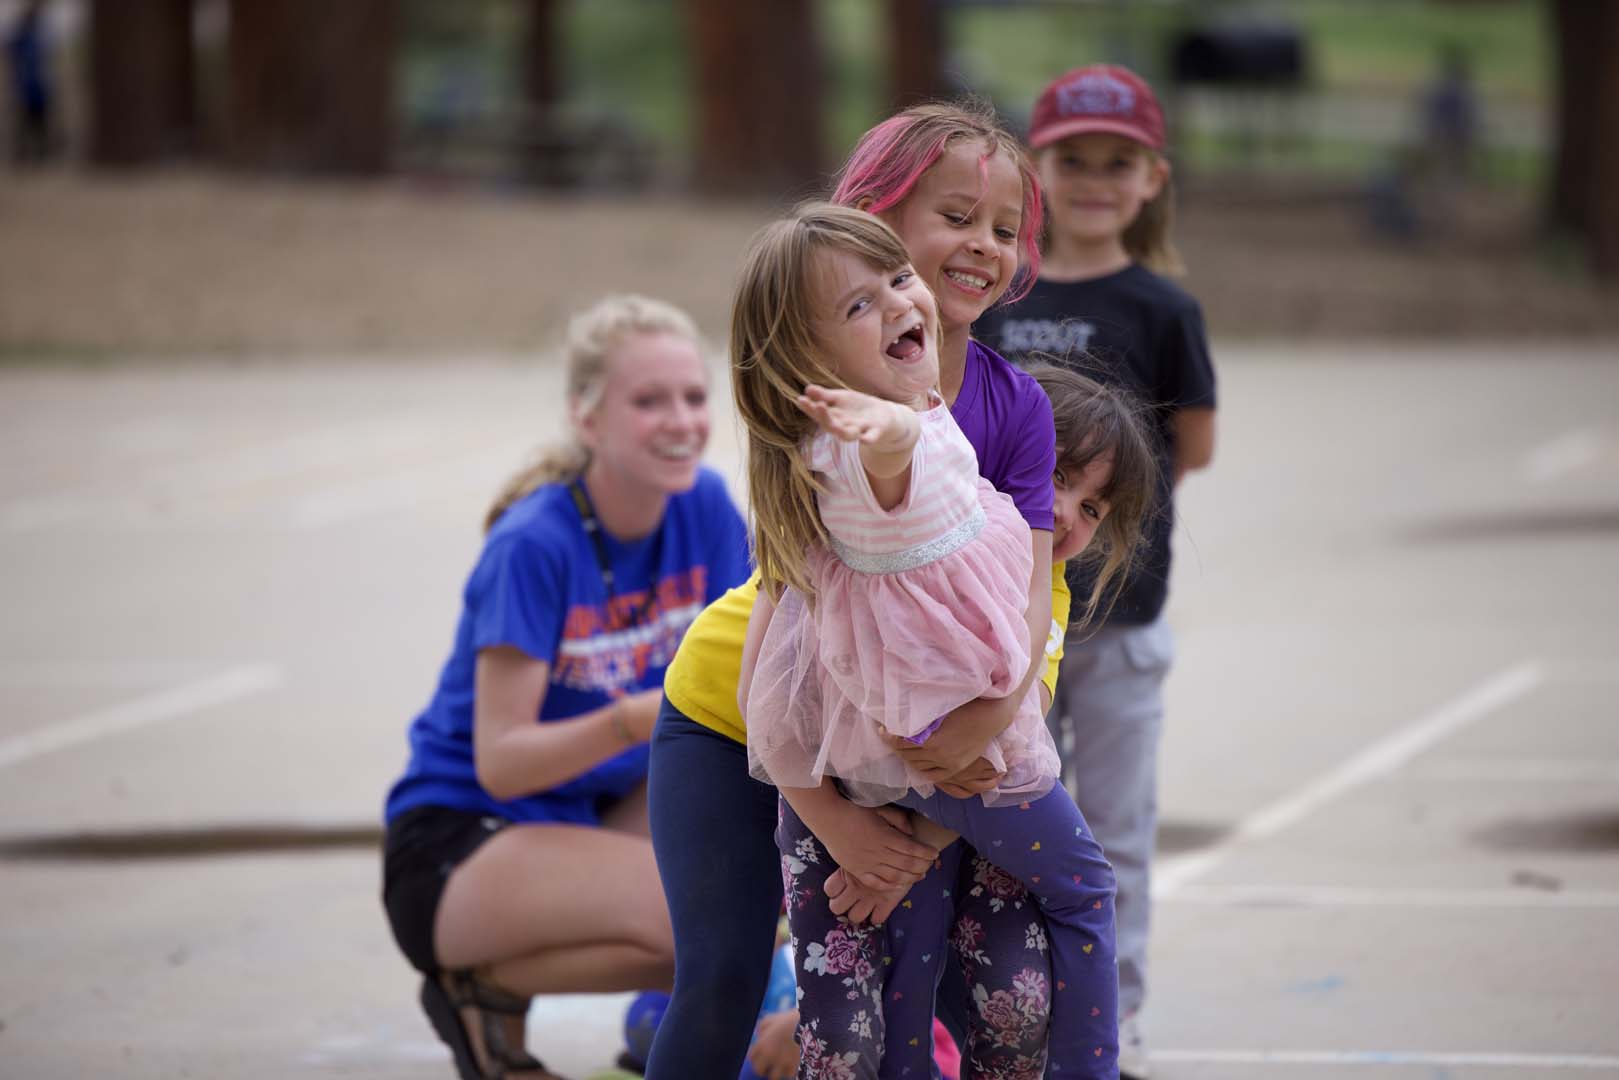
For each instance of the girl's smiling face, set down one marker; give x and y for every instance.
(1078, 507)
(960, 224)
(1097, 183)
(650, 425)
(877, 329)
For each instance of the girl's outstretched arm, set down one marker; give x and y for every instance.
(887, 432)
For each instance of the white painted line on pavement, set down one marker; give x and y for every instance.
(1570, 451)
(238, 682)
(1435, 1059)
(1375, 762)
(1319, 896)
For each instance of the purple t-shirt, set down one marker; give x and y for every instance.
(1007, 418)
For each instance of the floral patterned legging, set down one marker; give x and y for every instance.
(866, 993)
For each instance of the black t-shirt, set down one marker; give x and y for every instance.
(1133, 329)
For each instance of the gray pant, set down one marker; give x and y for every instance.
(1106, 718)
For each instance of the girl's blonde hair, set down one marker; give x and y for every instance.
(1147, 240)
(592, 336)
(1096, 422)
(774, 355)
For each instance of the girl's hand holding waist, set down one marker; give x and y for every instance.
(975, 779)
(849, 899)
(873, 845)
(960, 741)
(884, 426)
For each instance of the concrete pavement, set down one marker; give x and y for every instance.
(1390, 771)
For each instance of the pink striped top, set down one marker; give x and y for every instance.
(941, 501)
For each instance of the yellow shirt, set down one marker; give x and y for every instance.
(702, 679)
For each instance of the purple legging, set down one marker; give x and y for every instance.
(884, 1015)
(712, 830)
(866, 994)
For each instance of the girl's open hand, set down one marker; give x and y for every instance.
(852, 416)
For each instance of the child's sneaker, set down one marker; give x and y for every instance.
(1132, 1049)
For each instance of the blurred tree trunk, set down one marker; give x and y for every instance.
(542, 55)
(311, 84)
(757, 68)
(915, 51)
(142, 107)
(1585, 183)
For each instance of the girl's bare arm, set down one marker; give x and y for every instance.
(887, 433)
(515, 756)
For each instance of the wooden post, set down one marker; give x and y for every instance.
(915, 52)
(1584, 196)
(1602, 187)
(542, 55)
(311, 84)
(759, 86)
(142, 106)
(1576, 49)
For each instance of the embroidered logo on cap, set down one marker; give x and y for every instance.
(1096, 94)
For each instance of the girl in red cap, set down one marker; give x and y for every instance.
(1102, 305)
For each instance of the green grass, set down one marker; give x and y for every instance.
(1393, 46)
(1382, 46)
(1010, 54)
(1346, 160)
(630, 59)
(854, 38)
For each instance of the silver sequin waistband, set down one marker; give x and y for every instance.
(894, 562)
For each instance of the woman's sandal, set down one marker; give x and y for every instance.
(443, 1007)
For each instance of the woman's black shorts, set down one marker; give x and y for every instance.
(421, 849)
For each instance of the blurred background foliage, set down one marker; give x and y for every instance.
(1367, 62)
(644, 139)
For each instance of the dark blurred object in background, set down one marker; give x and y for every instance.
(1254, 70)
(311, 85)
(1450, 112)
(759, 87)
(1248, 52)
(28, 59)
(142, 109)
(1418, 194)
(308, 86)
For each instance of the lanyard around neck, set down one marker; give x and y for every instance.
(604, 563)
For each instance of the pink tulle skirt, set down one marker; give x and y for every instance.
(891, 654)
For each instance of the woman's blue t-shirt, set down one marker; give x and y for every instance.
(538, 587)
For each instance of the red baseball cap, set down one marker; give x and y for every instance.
(1102, 97)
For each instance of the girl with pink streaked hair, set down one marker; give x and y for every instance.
(962, 196)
